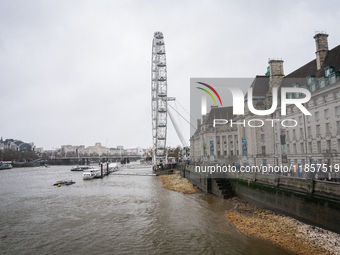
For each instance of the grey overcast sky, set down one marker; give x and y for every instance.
(79, 72)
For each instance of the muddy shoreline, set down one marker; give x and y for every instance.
(284, 231)
(177, 183)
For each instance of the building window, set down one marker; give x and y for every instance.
(322, 82)
(337, 111)
(338, 126)
(301, 148)
(294, 148)
(328, 128)
(329, 146)
(319, 146)
(318, 129)
(292, 109)
(310, 79)
(325, 99)
(332, 79)
(231, 153)
(317, 117)
(288, 148)
(287, 135)
(263, 150)
(301, 133)
(262, 138)
(338, 144)
(309, 130)
(315, 102)
(327, 113)
(310, 147)
(264, 162)
(300, 119)
(313, 87)
(294, 134)
(337, 95)
(309, 118)
(328, 71)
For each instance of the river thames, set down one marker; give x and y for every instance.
(119, 214)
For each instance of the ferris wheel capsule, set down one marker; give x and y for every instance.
(158, 35)
(162, 94)
(161, 64)
(161, 78)
(160, 42)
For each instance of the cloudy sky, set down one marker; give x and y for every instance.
(79, 72)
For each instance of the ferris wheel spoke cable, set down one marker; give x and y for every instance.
(185, 110)
(182, 116)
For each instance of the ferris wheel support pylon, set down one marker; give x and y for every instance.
(178, 131)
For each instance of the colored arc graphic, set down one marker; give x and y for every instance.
(208, 93)
(212, 90)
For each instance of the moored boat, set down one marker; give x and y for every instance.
(4, 166)
(91, 173)
(81, 168)
(64, 182)
(113, 166)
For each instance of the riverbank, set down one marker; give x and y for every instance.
(177, 183)
(283, 231)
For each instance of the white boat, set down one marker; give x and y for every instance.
(113, 166)
(81, 168)
(91, 173)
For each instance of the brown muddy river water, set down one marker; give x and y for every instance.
(119, 214)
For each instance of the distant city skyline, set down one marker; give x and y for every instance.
(81, 74)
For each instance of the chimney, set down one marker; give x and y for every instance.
(204, 118)
(199, 123)
(276, 72)
(321, 42)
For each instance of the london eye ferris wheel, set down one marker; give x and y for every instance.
(159, 98)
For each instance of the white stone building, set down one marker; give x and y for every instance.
(314, 139)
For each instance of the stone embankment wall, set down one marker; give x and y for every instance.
(311, 201)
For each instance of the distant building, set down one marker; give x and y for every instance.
(16, 145)
(40, 150)
(135, 151)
